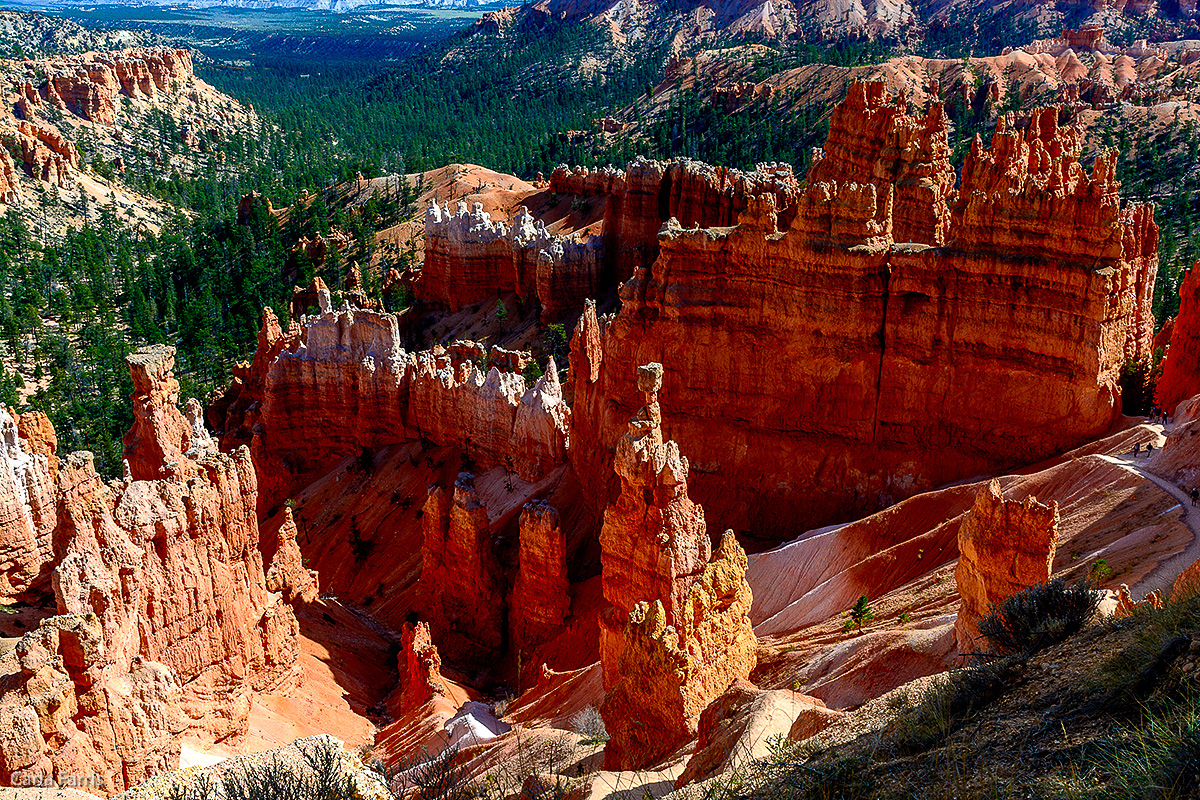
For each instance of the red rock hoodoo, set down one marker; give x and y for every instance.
(461, 581)
(1004, 546)
(678, 633)
(420, 668)
(541, 598)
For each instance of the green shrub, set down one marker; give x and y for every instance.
(1099, 572)
(1038, 616)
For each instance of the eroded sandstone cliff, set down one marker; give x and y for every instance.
(469, 258)
(89, 85)
(291, 404)
(830, 368)
(1181, 368)
(165, 618)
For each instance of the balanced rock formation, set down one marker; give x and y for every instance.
(291, 403)
(287, 573)
(654, 543)
(469, 258)
(678, 632)
(1004, 546)
(165, 618)
(842, 369)
(1181, 368)
(160, 435)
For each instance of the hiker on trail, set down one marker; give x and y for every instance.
(1195, 495)
(1137, 448)
(1149, 450)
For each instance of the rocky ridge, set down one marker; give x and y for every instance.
(135, 656)
(105, 100)
(349, 364)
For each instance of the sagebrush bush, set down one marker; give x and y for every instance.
(590, 725)
(317, 775)
(1038, 616)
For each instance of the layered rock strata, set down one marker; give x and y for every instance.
(678, 631)
(832, 370)
(291, 404)
(469, 258)
(165, 617)
(1181, 368)
(906, 159)
(640, 198)
(1004, 546)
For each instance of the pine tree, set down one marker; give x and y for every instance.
(860, 614)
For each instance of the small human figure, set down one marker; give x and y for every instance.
(1149, 450)
(1137, 448)
(1195, 495)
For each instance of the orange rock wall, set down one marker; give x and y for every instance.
(45, 153)
(827, 370)
(291, 405)
(1181, 370)
(469, 258)
(648, 193)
